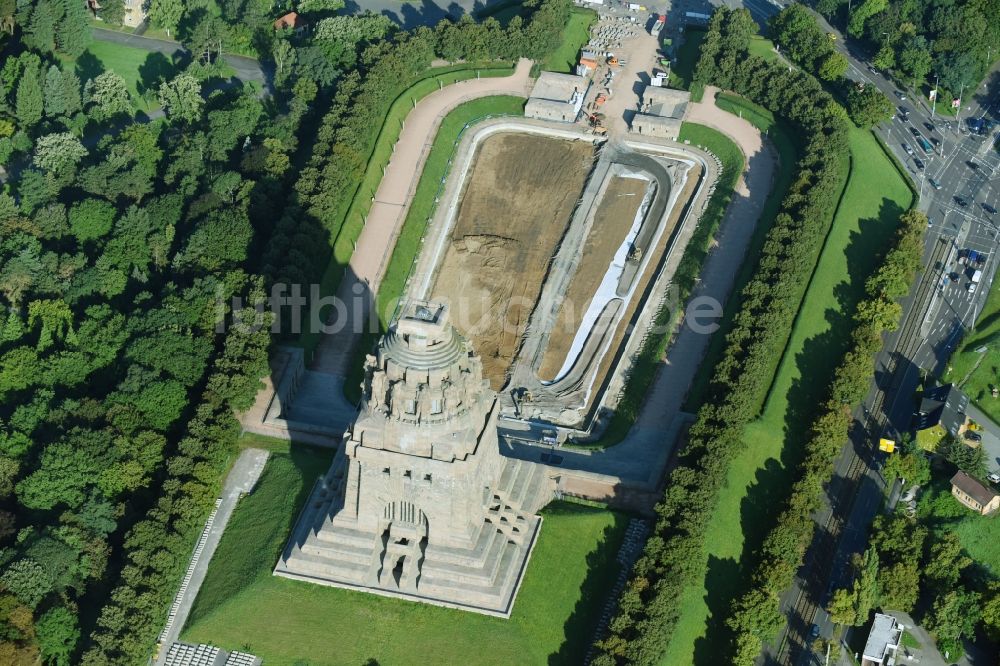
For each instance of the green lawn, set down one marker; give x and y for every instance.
(977, 372)
(759, 476)
(421, 210)
(760, 46)
(243, 606)
(575, 35)
(354, 220)
(124, 60)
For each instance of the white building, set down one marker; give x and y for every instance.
(883, 641)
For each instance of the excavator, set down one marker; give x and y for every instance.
(597, 123)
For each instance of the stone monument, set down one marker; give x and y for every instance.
(419, 503)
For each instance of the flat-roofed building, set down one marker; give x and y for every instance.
(557, 97)
(883, 641)
(661, 112)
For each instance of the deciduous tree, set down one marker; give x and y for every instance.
(109, 95)
(58, 152)
(181, 98)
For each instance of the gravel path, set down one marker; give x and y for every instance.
(391, 203)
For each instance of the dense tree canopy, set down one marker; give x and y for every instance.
(917, 38)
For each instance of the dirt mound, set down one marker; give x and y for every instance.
(517, 203)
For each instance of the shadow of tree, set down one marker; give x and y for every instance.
(155, 69)
(88, 66)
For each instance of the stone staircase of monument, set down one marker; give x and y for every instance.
(524, 486)
(478, 585)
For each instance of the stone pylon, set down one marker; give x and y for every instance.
(419, 503)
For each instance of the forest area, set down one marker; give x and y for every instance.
(124, 235)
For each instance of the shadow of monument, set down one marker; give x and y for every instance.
(602, 570)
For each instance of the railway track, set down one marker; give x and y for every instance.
(821, 559)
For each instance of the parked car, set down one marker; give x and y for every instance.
(919, 163)
(814, 632)
(993, 477)
(989, 209)
(961, 202)
(936, 185)
(901, 95)
(973, 436)
(909, 151)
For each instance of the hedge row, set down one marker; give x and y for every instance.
(756, 617)
(674, 556)
(159, 546)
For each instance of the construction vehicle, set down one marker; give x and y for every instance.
(600, 99)
(613, 60)
(596, 121)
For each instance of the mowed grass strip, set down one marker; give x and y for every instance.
(574, 36)
(243, 606)
(421, 210)
(759, 476)
(349, 229)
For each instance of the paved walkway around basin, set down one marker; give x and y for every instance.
(374, 247)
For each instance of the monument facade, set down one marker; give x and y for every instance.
(418, 502)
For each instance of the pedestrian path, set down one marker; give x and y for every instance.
(240, 481)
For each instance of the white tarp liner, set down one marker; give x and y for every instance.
(606, 290)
